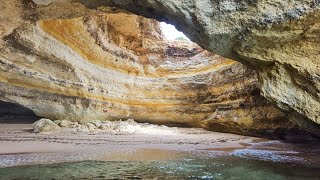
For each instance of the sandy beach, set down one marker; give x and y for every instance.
(20, 146)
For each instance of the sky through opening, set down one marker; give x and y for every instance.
(171, 33)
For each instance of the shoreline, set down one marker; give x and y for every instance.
(21, 147)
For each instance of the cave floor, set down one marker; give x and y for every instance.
(20, 146)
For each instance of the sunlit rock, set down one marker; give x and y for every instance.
(279, 39)
(65, 61)
(45, 125)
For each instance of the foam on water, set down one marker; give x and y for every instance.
(265, 155)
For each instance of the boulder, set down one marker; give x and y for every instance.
(90, 126)
(97, 123)
(67, 124)
(84, 65)
(45, 125)
(82, 128)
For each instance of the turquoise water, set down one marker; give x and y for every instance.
(228, 167)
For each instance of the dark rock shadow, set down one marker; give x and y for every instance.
(12, 113)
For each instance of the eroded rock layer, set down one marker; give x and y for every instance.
(110, 64)
(279, 39)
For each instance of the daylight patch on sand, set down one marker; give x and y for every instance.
(130, 126)
(114, 127)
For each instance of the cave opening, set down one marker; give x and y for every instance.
(124, 66)
(14, 113)
(171, 33)
(125, 96)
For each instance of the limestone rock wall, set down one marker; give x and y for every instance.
(279, 39)
(83, 65)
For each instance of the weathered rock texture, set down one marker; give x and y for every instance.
(280, 39)
(64, 61)
(45, 125)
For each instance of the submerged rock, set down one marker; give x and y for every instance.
(45, 125)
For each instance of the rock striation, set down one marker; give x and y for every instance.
(64, 61)
(279, 39)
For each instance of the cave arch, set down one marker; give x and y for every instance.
(278, 39)
(245, 31)
(16, 113)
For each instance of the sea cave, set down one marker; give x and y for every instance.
(153, 89)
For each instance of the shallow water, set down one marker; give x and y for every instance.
(193, 167)
(199, 155)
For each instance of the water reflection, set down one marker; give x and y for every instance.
(200, 167)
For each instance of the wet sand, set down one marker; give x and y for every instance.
(20, 146)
